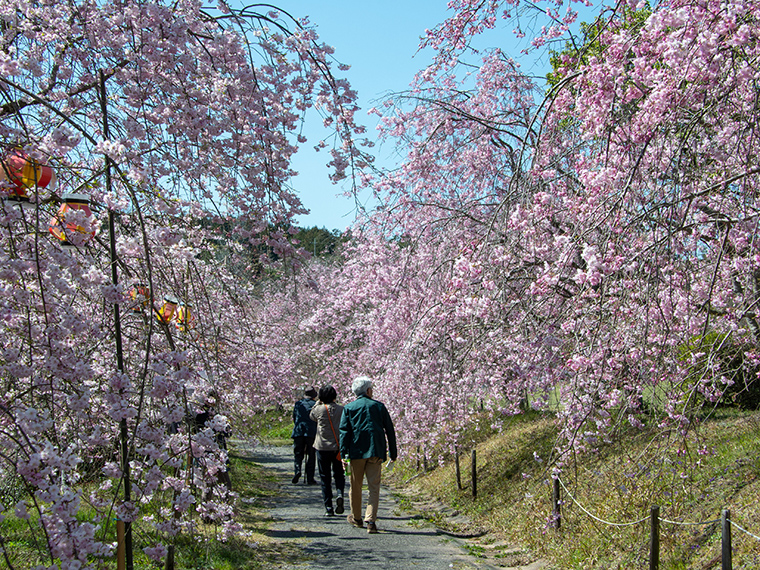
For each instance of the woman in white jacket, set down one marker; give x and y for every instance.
(327, 414)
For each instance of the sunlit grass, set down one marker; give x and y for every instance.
(692, 478)
(273, 426)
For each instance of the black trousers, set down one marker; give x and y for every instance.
(303, 446)
(327, 460)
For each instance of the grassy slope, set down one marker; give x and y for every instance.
(691, 478)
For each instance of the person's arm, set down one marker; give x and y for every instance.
(345, 434)
(313, 414)
(390, 433)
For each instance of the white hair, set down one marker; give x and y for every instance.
(361, 385)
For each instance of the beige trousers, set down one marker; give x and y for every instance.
(371, 468)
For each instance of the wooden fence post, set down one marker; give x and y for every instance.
(725, 542)
(654, 538)
(474, 475)
(170, 558)
(556, 502)
(456, 465)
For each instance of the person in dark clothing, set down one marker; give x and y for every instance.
(364, 427)
(327, 415)
(198, 422)
(304, 432)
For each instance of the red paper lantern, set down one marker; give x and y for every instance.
(69, 232)
(166, 312)
(22, 173)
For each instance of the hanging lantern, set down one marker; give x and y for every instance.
(69, 232)
(140, 295)
(166, 312)
(185, 318)
(22, 172)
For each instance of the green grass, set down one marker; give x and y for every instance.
(253, 550)
(274, 426)
(692, 478)
(253, 485)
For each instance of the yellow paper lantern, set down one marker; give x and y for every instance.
(185, 318)
(140, 295)
(167, 310)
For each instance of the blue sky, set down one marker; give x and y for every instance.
(379, 41)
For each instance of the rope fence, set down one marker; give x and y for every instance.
(655, 520)
(682, 523)
(745, 531)
(608, 523)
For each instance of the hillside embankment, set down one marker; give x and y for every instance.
(606, 496)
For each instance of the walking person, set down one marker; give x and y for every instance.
(304, 432)
(364, 427)
(327, 414)
(198, 423)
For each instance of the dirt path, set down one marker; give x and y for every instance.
(403, 543)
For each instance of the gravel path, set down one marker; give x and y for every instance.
(403, 543)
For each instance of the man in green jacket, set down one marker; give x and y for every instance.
(364, 426)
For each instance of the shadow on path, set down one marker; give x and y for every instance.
(403, 543)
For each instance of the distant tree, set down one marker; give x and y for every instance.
(318, 241)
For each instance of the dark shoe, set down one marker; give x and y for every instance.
(329, 513)
(312, 482)
(353, 522)
(296, 477)
(339, 506)
(371, 527)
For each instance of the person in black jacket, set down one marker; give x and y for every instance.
(304, 432)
